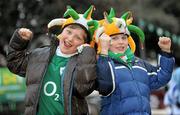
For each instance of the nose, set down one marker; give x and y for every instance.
(70, 37)
(120, 41)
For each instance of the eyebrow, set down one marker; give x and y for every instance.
(84, 37)
(79, 37)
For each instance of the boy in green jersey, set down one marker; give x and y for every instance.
(58, 76)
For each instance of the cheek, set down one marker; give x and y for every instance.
(112, 47)
(61, 40)
(113, 43)
(76, 44)
(127, 44)
(61, 36)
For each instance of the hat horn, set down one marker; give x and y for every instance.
(72, 13)
(107, 18)
(98, 33)
(56, 22)
(138, 31)
(93, 25)
(88, 13)
(126, 15)
(112, 13)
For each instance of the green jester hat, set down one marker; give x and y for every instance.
(84, 20)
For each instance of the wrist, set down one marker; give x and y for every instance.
(104, 52)
(167, 51)
(166, 54)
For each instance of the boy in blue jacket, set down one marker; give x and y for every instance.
(125, 81)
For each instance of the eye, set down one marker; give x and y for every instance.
(68, 31)
(115, 38)
(79, 38)
(124, 37)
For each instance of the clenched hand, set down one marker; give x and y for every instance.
(165, 44)
(25, 33)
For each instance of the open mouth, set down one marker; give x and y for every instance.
(67, 44)
(121, 48)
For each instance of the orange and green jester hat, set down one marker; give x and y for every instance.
(111, 25)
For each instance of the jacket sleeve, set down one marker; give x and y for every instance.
(161, 75)
(84, 82)
(169, 98)
(105, 74)
(17, 54)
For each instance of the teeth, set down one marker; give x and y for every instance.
(67, 44)
(120, 48)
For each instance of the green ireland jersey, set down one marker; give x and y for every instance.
(51, 97)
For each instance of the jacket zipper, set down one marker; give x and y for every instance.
(42, 78)
(70, 96)
(139, 95)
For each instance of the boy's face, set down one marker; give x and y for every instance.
(119, 43)
(70, 39)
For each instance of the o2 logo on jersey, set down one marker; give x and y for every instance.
(61, 71)
(53, 91)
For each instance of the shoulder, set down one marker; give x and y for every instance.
(139, 62)
(88, 55)
(41, 50)
(88, 51)
(144, 64)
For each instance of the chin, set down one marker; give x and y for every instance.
(65, 52)
(123, 52)
(120, 51)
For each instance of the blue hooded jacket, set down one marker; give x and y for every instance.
(126, 91)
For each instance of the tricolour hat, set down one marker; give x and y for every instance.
(112, 25)
(84, 20)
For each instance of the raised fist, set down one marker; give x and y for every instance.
(165, 44)
(104, 43)
(25, 33)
